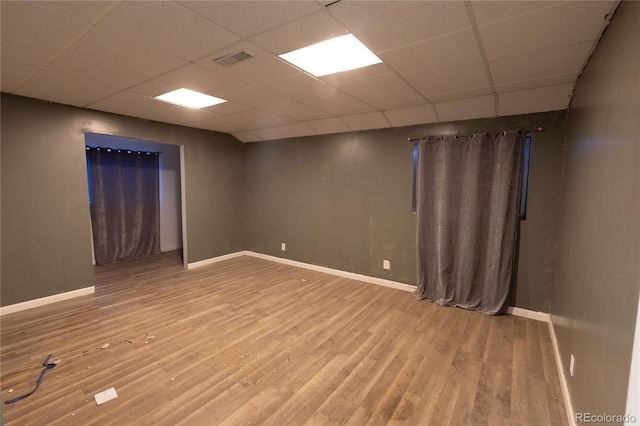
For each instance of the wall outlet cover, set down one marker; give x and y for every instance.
(105, 396)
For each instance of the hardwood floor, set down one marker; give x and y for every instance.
(248, 341)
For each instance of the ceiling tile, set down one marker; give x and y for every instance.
(337, 101)
(203, 80)
(49, 95)
(134, 105)
(152, 109)
(382, 106)
(228, 108)
(63, 89)
(384, 25)
(270, 134)
(251, 96)
(432, 70)
(258, 119)
(552, 98)
(420, 114)
(388, 88)
(262, 68)
(246, 136)
(183, 33)
(569, 59)
(106, 48)
(298, 86)
(466, 109)
(80, 69)
(294, 110)
(487, 12)
(371, 120)
(226, 124)
(186, 116)
(297, 130)
(554, 80)
(308, 30)
(354, 110)
(435, 55)
(329, 125)
(34, 24)
(14, 75)
(544, 29)
(26, 54)
(455, 80)
(357, 74)
(461, 94)
(87, 11)
(153, 88)
(247, 18)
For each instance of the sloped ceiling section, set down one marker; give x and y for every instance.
(442, 61)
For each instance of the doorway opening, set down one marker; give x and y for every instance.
(172, 224)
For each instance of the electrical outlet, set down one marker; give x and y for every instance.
(572, 365)
(386, 264)
(283, 247)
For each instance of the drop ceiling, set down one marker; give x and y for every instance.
(442, 60)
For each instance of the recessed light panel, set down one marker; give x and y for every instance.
(189, 98)
(331, 56)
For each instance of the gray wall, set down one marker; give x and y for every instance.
(344, 201)
(46, 244)
(597, 276)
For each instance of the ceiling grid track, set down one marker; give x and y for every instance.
(483, 53)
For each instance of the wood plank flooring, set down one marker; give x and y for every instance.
(248, 341)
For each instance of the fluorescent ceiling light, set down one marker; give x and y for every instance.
(190, 98)
(331, 56)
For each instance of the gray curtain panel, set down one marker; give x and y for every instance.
(468, 196)
(125, 204)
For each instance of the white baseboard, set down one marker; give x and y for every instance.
(215, 259)
(519, 312)
(337, 272)
(5, 310)
(170, 248)
(541, 316)
(526, 313)
(563, 378)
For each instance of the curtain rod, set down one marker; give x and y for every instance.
(537, 129)
(130, 151)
